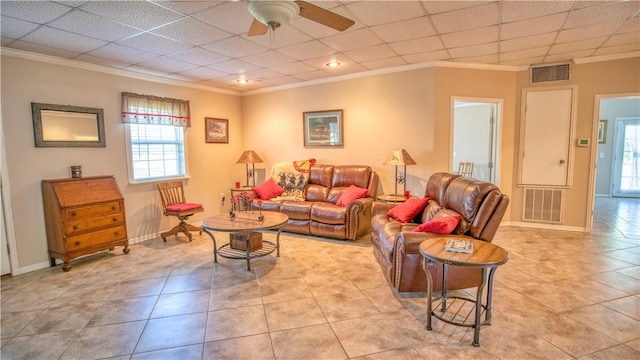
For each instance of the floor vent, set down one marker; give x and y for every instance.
(547, 73)
(543, 205)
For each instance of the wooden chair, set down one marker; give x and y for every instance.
(175, 204)
(465, 169)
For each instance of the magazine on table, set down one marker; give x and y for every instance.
(458, 245)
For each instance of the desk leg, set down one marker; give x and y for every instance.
(215, 247)
(425, 265)
(477, 324)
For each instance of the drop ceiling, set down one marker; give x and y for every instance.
(205, 42)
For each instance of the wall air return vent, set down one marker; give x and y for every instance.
(543, 205)
(547, 73)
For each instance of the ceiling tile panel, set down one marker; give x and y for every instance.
(14, 28)
(123, 54)
(199, 56)
(294, 68)
(63, 40)
(41, 49)
(308, 50)
(602, 13)
(191, 31)
(371, 53)
(471, 37)
(527, 42)
(203, 73)
(154, 44)
(631, 25)
(467, 18)
(436, 7)
(141, 14)
(567, 56)
(235, 47)
(522, 10)
(187, 7)
(352, 40)
(618, 49)
(147, 70)
(524, 54)
(577, 45)
(234, 67)
(101, 61)
(283, 80)
(384, 63)
(84, 23)
(263, 74)
(385, 12)
(405, 30)
(417, 45)
(621, 39)
(230, 16)
(39, 12)
(284, 36)
(168, 65)
(427, 56)
(483, 59)
(347, 69)
(588, 32)
(475, 50)
(530, 27)
(268, 59)
(312, 75)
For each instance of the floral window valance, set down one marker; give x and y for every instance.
(148, 109)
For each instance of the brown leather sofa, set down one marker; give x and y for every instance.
(396, 248)
(318, 214)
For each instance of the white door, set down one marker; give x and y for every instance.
(475, 128)
(546, 137)
(626, 161)
(4, 261)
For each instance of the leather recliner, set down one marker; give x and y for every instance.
(396, 248)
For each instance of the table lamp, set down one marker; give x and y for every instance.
(250, 157)
(399, 157)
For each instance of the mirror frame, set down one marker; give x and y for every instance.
(36, 110)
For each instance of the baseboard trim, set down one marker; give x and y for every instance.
(547, 226)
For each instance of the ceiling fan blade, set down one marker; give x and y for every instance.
(257, 28)
(323, 16)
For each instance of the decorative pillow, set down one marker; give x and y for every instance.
(268, 189)
(441, 225)
(408, 210)
(352, 193)
(183, 207)
(292, 176)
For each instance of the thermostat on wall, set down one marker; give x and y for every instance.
(583, 142)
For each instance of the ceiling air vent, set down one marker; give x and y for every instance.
(548, 73)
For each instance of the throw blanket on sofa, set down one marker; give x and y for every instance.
(292, 176)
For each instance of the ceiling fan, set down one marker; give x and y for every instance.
(272, 14)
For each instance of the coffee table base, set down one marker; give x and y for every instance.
(226, 251)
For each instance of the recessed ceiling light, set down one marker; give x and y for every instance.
(333, 64)
(242, 81)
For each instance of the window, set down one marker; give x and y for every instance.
(155, 130)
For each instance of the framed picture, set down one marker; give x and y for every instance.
(216, 130)
(602, 132)
(323, 128)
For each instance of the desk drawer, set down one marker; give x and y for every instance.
(96, 238)
(79, 213)
(72, 228)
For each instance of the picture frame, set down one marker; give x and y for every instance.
(216, 130)
(602, 132)
(323, 128)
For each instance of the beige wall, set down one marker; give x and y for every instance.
(211, 166)
(409, 110)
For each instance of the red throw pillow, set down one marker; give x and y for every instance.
(441, 225)
(268, 189)
(408, 210)
(352, 193)
(183, 207)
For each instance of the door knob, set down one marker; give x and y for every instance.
(561, 161)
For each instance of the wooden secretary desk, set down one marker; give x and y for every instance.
(83, 216)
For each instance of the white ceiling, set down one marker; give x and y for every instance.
(204, 42)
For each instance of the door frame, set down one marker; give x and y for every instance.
(497, 135)
(6, 211)
(591, 196)
(617, 146)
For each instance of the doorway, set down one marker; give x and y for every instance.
(475, 128)
(626, 158)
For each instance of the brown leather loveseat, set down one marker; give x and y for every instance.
(396, 248)
(318, 214)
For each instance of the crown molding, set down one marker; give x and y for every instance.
(600, 58)
(4, 51)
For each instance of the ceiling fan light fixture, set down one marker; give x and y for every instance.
(273, 13)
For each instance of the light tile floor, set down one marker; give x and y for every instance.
(562, 295)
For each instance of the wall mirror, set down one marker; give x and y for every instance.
(67, 126)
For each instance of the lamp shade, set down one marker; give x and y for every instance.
(249, 157)
(399, 157)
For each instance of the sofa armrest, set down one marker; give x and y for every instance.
(358, 219)
(382, 208)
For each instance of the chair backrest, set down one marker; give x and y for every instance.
(171, 192)
(465, 169)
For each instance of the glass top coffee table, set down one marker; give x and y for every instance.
(242, 224)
